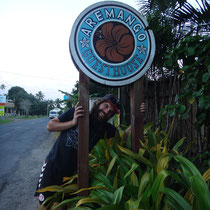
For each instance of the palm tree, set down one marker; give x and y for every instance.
(2, 87)
(58, 103)
(40, 96)
(178, 13)
(196, 18)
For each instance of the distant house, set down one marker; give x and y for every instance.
(9, 109)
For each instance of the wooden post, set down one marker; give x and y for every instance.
(137, 118)
(83, 135)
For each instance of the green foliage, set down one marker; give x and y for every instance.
(154, 178)
(28, 103)
(72, 99)
(191, 59)
(4, 121)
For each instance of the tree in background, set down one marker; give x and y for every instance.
(28, 103)
(50, 105)
(17, 94)
(58, 103)
(2, 86)
(40, 96)
(25, 106)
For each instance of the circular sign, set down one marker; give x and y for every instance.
(111, 44)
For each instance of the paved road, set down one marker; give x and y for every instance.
(23, 147)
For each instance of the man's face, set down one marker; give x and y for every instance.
(105, 111)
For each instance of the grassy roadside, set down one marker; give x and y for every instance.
(4, 121)
(10, 119)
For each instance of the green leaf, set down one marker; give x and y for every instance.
(178, 144)
(172, 112)
(132, 204)
(198, 93)
(147, 127)
(90, 188)
(111, 207)
(201, 103)
(90, 200)
(186, 67)
(133, 168)
(103, 179)
(176, 178)
(118, 195)
(188, 167)
(111, 165)
(191, 51)
(144, 182)
(201, 191)
(182, 108)
(176, 201)
(191, 100)
(54, 188)
(68, 201)
(116, 177)
(156, 187)
(177, 98)
(162, 163)
(205, 77)
(135, 156)
(152, 139)
(134, 179)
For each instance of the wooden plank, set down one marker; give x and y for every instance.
(137, 118)
(83, 135)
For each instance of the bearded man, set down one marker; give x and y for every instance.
(62, 159)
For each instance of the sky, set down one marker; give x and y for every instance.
(34, 44)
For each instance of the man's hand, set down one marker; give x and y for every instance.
(56, 125)
(142, 108)
(79, 112)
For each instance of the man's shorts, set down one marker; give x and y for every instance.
(47, 178)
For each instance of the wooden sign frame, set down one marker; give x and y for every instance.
(89, 49)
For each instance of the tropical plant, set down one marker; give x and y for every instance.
(39, 96)
(155, 178)
(171, 21)
(2, 86)
(191, 58)
(195, 18)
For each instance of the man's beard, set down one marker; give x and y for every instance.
(95, 117)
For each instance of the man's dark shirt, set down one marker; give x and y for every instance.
(63, 155)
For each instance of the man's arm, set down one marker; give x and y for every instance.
(56, 125)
